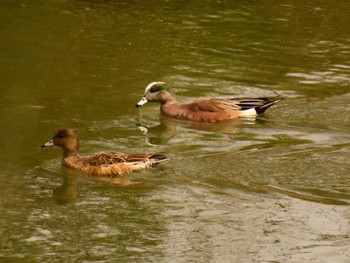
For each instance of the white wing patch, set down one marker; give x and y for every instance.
(249, 113)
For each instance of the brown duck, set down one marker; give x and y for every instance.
(102, 163)
(206, 109)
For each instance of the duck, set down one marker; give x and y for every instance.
(205, 109)
(102, 163)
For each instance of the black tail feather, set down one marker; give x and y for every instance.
(259, 104)
(158, 157)
(268, 102)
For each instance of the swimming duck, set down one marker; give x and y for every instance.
(102, 163)
(206, 109)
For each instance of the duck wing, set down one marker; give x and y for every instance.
(112, 158)
(152, 159)
(216, 104)
(105, 159)
(211, 105)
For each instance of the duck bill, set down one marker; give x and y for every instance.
(143, 101)
(48, 144)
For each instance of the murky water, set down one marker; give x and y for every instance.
(275, 189)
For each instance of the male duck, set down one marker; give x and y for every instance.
(207, 109)
(103, 163)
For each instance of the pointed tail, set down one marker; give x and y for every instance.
(158, 158)
(267, 103)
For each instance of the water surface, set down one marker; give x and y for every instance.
(274, 189)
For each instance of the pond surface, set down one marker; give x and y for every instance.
(274, 189)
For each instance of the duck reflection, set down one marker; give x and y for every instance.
(68, 192)
(159, 134)
(162, 133)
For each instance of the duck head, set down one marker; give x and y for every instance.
(158, 92)
(64, 138)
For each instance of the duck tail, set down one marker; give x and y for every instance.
(268, 102)
(158, 158)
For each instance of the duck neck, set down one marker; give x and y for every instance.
(169, 101)
(69, 153)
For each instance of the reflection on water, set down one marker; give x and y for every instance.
(160, 134)
(69, 190)
(271, 189)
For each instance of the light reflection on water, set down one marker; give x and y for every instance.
(270, 189)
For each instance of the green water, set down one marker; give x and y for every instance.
(271, 190)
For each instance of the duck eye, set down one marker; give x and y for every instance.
(60, 135)
(155, 89)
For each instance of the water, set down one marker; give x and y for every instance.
(275, 189)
